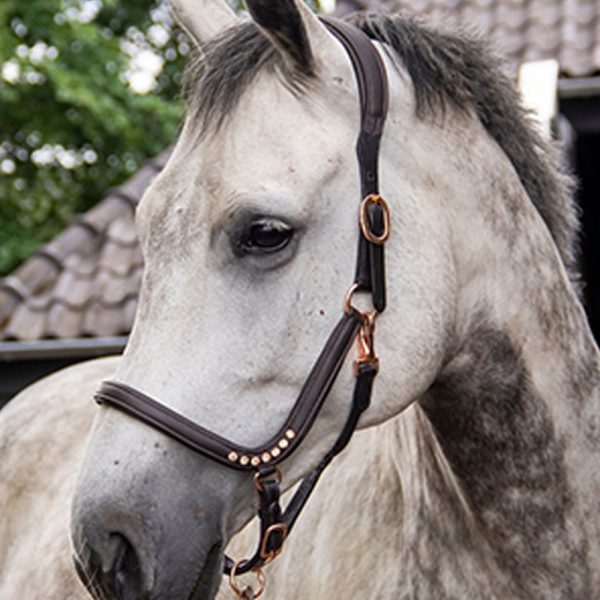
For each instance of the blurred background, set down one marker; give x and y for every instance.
(90, 103)
(88, 91)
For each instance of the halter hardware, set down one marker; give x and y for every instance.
(365, 221)
(374, 228)
(248, 593)
(258, 479)
(365, 337)
(366, 343)
(272, 536)
(270, 555)
(280, 528)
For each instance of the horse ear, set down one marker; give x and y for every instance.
(203, 20)
(294, 30)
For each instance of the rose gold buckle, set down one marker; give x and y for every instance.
(257, 479)
(273, 554)
(364, 219)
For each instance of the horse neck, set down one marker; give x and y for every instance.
(388, 520)
(516, 407)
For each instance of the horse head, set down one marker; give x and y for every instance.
(249, 236)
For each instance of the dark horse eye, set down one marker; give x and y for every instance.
(263, 236)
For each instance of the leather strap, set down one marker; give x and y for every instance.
(273, 515)
(277, 448)
(276, 524)
(373, 92)
(370, 272)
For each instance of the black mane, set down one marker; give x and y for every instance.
(447, 68)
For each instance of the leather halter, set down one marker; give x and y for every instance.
(275, 523)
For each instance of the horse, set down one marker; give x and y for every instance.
(42, 441)
(43, 433)
(472, 472)
(37, 480)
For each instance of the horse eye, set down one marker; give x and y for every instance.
(264, 236)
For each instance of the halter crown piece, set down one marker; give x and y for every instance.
(263, 461)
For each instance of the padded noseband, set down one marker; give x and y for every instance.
(275, 523)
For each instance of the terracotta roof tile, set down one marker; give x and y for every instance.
(72, 290)
(8, 304)
(35, 274)
(122, 231)
(112, 290)
(26, 324)
(83, 266)
(86, 281)
(103, 321)
(117, 259)
(15, 286)
(63, 321)
(75, 238)
(568, 30)
(102, 215)
(40, 302)
(129, 311)
(134, 188)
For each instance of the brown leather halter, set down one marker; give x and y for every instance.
(275, 523)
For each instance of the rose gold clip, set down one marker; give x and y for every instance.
(366, 346)
(365, 337)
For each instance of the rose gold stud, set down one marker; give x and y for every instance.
(275, 452)
(233, 456)
(283, 444)
(244, 460)
(266, 457)
(290, 434)
(255, 461)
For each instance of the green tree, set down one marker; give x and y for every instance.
(88, 91)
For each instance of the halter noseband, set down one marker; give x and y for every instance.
(374, 220)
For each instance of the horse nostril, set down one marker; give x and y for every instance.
(126, 572)
(114, 573)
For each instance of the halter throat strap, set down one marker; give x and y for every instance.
(275, 523)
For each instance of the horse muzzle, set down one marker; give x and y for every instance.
(142, 531)
(117, 564)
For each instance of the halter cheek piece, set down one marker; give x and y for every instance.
(374, 220)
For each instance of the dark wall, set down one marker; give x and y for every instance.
(15, 375)
(584, 116)
(588, 157)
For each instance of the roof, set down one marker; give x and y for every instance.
(86, 281)
(524, 30)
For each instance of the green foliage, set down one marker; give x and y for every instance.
(71, 124)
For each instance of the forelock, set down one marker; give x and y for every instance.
(448, 69)
(217, 76)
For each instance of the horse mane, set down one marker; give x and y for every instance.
(448, 68)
